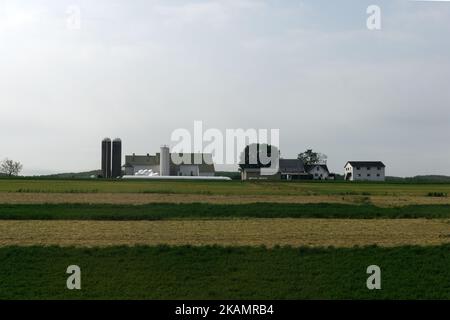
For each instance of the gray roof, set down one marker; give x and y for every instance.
(205, 166)
(366, 164)
(291, 166)
(309, 167)
(203, 160)
(135, 160)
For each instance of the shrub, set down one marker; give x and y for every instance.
(437, 194)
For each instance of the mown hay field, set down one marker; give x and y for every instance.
(37, 191)
(221, 187)
(147, 198)
(236, 232)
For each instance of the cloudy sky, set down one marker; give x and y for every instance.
(141, 69)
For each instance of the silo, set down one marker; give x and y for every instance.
(164, 161)
(116, 158)
(106, 158)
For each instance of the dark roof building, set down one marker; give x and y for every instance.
(366, 164)
(365, 171)
(291, 166)
(289, 169)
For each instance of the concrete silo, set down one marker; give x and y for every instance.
(164, 161)
(106, 158)
(116, 158)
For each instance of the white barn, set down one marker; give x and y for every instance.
(163, 165)
(365, 171)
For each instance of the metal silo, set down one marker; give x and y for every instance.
(116, 158)
(164, 161)
(106, 158)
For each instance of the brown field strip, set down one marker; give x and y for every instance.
(251, 232)
(142, 198)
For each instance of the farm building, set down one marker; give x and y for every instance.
(162, 164)
(289, 169)
(318, 171)
(111, 158)
(364, 171)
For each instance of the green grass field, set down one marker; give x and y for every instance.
(220, 187)
(161, 211)
(224, 273)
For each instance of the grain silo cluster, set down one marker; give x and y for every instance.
(111, 158)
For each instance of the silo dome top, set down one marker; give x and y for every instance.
(117, 140)
(107, 139)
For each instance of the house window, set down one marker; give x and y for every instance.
(318, 168)
(379, 168)
(368, 174)
(368, 168)
(378, 174)
(358, 168)
(359, 174)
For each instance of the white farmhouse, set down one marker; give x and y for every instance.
(318, 171)
(364, 171)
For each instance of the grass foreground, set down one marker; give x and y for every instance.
(224, 273)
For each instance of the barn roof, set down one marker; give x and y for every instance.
(206, 163)
(291, 166)
(366, 164)
(309, 167)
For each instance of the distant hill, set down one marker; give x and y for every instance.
(422, 178)
(73, 175)
(415, 179)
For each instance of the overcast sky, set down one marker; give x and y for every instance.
(141, 69)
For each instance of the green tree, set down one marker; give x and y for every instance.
(310, 157)
(10, 167)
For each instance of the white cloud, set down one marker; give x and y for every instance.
(13, 17)
(213, 13)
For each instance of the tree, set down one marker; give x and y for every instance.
(258, 155)
(310, 157)
(10, 167)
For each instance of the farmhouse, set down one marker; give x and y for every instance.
(289, 169)
(364, 171)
